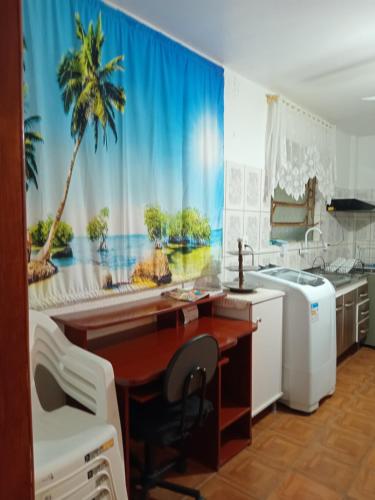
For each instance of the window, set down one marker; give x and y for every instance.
(289, 217)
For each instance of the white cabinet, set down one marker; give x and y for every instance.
(267, 353)
(266, 307)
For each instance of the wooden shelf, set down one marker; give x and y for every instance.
(223, 361)
(236, 436)
(230, 414)
(231, 446)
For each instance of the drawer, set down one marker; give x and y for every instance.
(339, 303)
(362, 292)
(363, 329)
(363, 311)
(350, 299)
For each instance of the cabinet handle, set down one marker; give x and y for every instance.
(350, 304)
(363, 295)
(362, 332)
(338, 309)
(258, 320)
(364, 313)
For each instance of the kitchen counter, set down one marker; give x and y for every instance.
(256, 297)
(356, 282)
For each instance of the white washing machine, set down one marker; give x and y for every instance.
(309, 335)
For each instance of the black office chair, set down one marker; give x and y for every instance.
(170, 419)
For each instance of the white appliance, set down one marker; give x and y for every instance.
(309, 335)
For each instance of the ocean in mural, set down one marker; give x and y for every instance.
(123, 154)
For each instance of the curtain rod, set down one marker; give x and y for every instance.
(271, 98)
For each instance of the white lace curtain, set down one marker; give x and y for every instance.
(299, 147)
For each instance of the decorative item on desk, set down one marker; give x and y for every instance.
(242, 285)
(185, 295)
(190, 313)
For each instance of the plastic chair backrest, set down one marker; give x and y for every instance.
(202, 352)
(51, 349)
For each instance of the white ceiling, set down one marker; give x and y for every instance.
(318, 53)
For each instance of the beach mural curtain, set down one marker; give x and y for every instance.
(123, 154)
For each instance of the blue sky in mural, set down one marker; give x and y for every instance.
(170, 137)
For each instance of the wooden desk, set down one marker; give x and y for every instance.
(140, 361)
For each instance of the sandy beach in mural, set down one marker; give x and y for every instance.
(88, 271)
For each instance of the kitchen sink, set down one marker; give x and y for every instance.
(336, 279)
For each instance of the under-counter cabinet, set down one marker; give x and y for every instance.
(264, 307)
(348, 334)
(352, 318)
(363, 313)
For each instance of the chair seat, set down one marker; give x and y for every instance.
(159, 423)
(62, 440)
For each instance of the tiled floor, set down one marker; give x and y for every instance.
(327, 455)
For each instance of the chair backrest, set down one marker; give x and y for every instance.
(200, 352)
(79, 373)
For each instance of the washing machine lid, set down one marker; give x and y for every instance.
(294, 276)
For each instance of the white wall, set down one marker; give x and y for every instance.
(345, 160)
(365, 171)
(245, 117)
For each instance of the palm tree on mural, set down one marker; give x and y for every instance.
(31, 137)
(86, 88)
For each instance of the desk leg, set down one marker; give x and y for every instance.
(123, 405)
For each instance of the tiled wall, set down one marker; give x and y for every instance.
(247, 215)
(362, 225)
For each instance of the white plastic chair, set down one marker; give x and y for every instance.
(77, 455)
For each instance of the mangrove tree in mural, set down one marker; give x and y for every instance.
(185, 228)
(97, 228)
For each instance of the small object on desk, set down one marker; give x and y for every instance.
(190, 313)
(241, 285)
(244, 287)
(185, 295)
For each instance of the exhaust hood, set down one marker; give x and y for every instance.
(350, 205)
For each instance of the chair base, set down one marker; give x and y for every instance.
(151, 478)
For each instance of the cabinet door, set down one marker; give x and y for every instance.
(339, 325)
(363, 329)
(267, 354)
(349, 320)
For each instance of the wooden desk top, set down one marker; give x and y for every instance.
(143, 359)
(122, 313)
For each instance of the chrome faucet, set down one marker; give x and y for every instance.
(304, 248)
(324, 262)
(252, 253)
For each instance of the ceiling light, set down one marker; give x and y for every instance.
(369, 98)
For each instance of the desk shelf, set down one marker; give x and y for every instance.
(230, 414)
(234, 438)
(235, 400)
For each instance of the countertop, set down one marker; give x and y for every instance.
(357, 281)
(257, 296)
